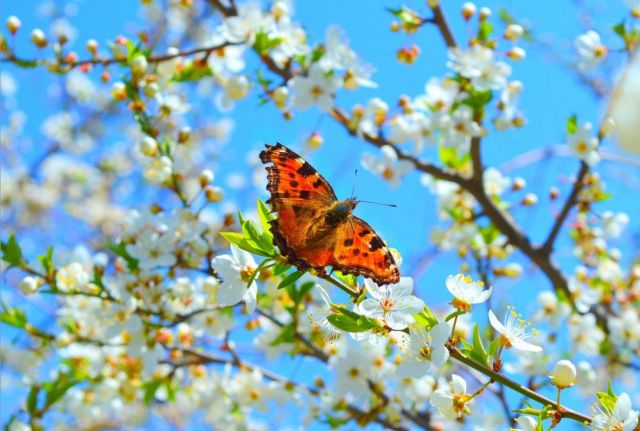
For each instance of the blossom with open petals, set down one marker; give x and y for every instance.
(236, 271)
(392, 303)
(621, 418)
(422, 348)
(466, 291)
(514, 331)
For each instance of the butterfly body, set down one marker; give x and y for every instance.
(314, 229)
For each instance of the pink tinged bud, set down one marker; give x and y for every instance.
(564, 374)
(554, 193)
(13, 24)
(530, 200)
(519, 183)
(315, 140)
(119, 91)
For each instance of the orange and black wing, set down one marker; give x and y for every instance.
(300, 196)
(359, 250)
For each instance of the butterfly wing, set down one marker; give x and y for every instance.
(300, 196)
(359, 250)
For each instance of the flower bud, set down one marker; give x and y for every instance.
(212, 193)
(237, 87)
(516, 53)
(184, 134)
(38, 38)
(315, 140)
(119, 91)
(280, 96)
(408, 55)
(554, 193)
(13, 24)
(92, 46)
(279, 9)
(468, 10)
(29, 285)
(607, 126)
(139, 65)
(530, 200)
(149, 146)
(485, 13)
(205, 177)
(519, 183)
(513, 32)
(564, 374)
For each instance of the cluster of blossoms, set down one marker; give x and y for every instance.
(157, 323)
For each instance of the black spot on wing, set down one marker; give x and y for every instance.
(294, 184)
(356, 252)
(348, 242)
(304, 194)
(306, 169)
(364, 233)
(376, 243)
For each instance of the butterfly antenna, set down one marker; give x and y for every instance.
(353, 186)
(379, 203)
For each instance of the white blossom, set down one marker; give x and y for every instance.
(236, 271)
(393, 303)
(515, 331)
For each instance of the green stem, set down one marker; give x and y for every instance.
(567, 413)
(260, 267)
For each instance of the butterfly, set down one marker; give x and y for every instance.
(313, 229)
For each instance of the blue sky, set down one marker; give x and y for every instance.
(551, 95)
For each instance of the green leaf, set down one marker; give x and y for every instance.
(426, 318)
(477, 99)
(11, 251)
(120, 249)
(620, 29)
(449, 157)
(46, 261)
(494, 346)
(32, 400)
(345, 323)
(56, 389)
(13, 316)
(263, 240)
(528, 411)
(287, 335)
(572, 124)
(280, 268)
(243, 243)
(265, 217)
(290, 279)
(348, 279)
(489, 234)
(193, 72)
(264, 43)
(454, 315)
(302, 291)
(350, 321)
(484, 30)
(150, 389)
(478, 347)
